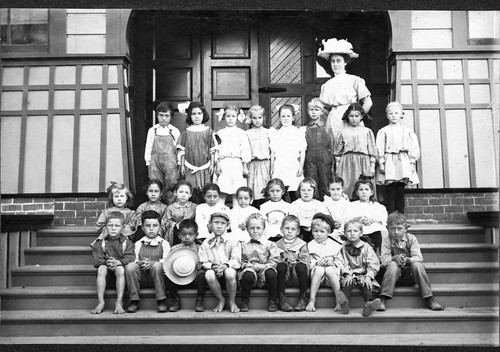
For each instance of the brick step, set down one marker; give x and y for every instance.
(255, 322)
(433, 252)
(445, 233)
(66, 236)
(447, 340)
(84, 297)
(84, 275)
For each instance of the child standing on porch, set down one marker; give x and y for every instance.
(160, 152)
(233, 156)
(261, 164)
(288, 146)
(398, 151)
(196, 150)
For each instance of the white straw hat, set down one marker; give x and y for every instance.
(180, 266)
(334, 46)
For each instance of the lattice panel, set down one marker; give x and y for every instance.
(285, 54)
(274, 114)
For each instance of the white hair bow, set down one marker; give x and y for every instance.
(182, 107)
(243, 118)
(220, 114)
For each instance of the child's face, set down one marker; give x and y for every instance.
(353, 232)
(218, 225)
(336, 191)
(187, 235)
(196, 116)
(306, 192)
(153, 192)
(230, 116)
(286, 117)
(164, 118)
(396, 231)
(151, 228)
(257, 119)
(244, 199)
(290, 230)
(320, 232)
(354, 118)
(364, 192)
(119, 198)
(255, 229)
(394, 114)
(114, 227)
(275, 193)
(183, 194)
(315, 112)
(211, 197)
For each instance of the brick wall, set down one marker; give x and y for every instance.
(447, 207)
(72, 211)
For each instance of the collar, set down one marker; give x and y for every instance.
(212, 240)
(263, 241)
(404, 239)
(120, 238)
(318, 123)
(193, 245)
(324, 243)
(187, 205)
(197, 128)
(169, 127)
(357, 245)
(152, 241)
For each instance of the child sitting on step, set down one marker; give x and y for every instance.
(111, 255)
(403, 261)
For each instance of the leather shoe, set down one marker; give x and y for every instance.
(133, 307)
(162, 306)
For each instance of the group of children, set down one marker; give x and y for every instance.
(232, 157)
(305, 243)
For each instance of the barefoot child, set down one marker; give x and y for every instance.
(147, 270)
(293, 266)
(403, 261)
(326, 261)
(240, 213)
(221, 257)
(111, 255)
(181, 209)
(361, 265)
(259, 257)
(188, 232)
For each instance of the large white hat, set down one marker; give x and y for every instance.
(334, 46)
(180, 266)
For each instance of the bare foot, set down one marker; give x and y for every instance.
(98, 309)
(219, 307)
(337, 308)
(310, 307)
(233, 307)
(119, 309)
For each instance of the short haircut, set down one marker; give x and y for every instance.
(396, 218)
(256, 216)
(210, 187)
(150, 214)
(153, 181)
(311, 182)
(353, 221)
(256, 108)
(394, 104)
(189, 111)
(115, 215)
(244, 189)
(336, 179)
(183, 183)
(164, 107)
(290, 218)
(316, 103)
(188, 224)
(115, 186)
(320, 222)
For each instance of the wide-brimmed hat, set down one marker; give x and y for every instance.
(334, 46)
(180, 266)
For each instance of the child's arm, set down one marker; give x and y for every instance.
(98, 254)
(372, 152)
(303, 255)
(245, 152)
(302, 159)
(149, 146)
(130, 227)
(413, 147)
(386, 252)
(372, 262)
(204, 256)
(129, 254)
(345, 271)
(380, 142)
(235, 255)
(101, 222)
(415, 253)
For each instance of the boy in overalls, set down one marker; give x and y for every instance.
(160, 152)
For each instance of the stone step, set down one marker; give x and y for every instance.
(84, 275)
(59, 255)
(446, 233)
(84, 297)
(300, 342)
(255, 322)
(66, 236)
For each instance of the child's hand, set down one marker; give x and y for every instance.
(413, 167)
(300, 172)
(146, 264)
(245, 170)
(219, 269)
(182, 170)
(211, 169)
(112, 263)
(347, 280)
(199, 265)
(242, 226)
(367, 282)
(372, 170)
(381, 168)
(337, 224)
(400, 259)
(218, 169)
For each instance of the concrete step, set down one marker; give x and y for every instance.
(255, 322)
(459, 252)
(445, 233)
(84, 297)
(66, 236)
(300, 342)
(59, 255)
(84, 275)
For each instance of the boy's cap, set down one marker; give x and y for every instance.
(326, 218)
(219, 214)
(180, 266)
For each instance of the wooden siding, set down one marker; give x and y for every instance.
(285, 54)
